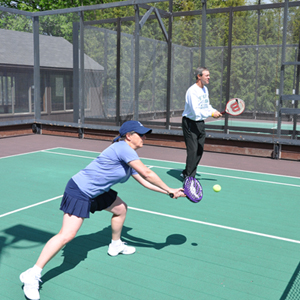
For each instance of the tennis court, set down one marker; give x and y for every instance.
(240, 243)
(265, 127)
(256, 124)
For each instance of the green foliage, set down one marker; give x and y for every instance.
(225, 3)
(254, 81)
(15, 22)
(58, 25)
(43, 5)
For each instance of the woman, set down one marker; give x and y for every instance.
(90, 191)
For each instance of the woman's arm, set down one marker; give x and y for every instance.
(151, 180)
(147, 184)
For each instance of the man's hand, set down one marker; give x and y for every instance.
(217, 114)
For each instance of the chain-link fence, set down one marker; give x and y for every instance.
(139, 66)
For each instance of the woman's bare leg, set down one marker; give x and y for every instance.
(69, 229)
(119, 210)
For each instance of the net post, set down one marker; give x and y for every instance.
(36, 128)
(80, 133)
(276, 154)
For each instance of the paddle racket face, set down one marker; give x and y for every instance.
(234, 107)
(193, 189)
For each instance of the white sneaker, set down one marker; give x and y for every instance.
(182, 176)
(122, 248)
(31, 284)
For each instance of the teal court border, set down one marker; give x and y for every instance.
(254, 124)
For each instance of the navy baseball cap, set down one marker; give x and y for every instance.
(132, 126)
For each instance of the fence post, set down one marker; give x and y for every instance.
(136, 60)
(118, 73)
(228, 66)
(169, 67)
(281, 86)
(203, 37)
(75, 73)
(81, 76)
(36, 69)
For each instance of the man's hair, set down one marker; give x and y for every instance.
(199, 71)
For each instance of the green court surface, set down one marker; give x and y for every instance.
(241, 243)
(254, 124)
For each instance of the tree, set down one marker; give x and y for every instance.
(246, 79)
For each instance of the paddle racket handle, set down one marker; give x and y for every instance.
(171, 195)
(223, 112)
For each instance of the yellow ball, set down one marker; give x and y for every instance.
(217, 188)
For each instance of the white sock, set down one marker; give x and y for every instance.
(115, 243)
(37, 270)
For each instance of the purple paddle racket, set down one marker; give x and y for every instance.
(193, 189)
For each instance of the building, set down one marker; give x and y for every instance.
(56, 75)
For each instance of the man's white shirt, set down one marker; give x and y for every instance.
(197, 105)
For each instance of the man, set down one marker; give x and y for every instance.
(197, 109)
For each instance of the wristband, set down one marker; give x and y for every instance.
(213, 113)
(170, 194)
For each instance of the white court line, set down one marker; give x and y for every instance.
(26, 153)
(20, 154)
(250, 179)
(176, 162)
(67, 154)
(73, 149)
(173, 217)
(220, 175)
(254, 172)
(218, 226)
(195, 221)
(26, 207)
(241, 178)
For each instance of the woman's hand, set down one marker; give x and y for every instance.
(177, 193)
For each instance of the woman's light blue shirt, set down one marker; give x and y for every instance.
(109, 168)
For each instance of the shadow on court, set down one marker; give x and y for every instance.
(176, 174)
(22, 237)
(22, 233)
(77, 250)
(292, 291)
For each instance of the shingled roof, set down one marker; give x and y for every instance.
(16, 48)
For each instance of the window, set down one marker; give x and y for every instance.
(7, 93)
(61, 99)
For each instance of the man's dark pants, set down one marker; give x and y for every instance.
(194, 137)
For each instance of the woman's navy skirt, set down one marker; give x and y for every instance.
(75, 202)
